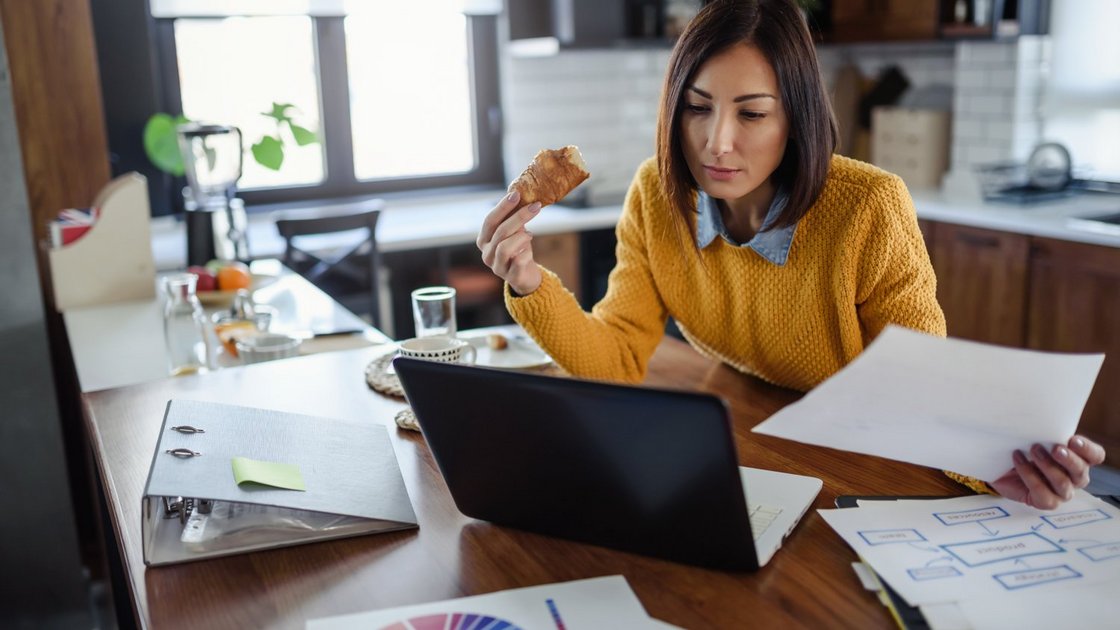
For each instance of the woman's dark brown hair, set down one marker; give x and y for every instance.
(778, 30)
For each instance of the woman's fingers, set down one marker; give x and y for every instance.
(1057, 477)
(511, 227)
(495, 218)
(508, 249)
(516, 222)
(1076, 467)
(1039, 494)
(1086, 449)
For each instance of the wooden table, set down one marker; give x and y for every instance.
(809, 583)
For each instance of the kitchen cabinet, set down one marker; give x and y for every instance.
(884, 20)
(993, 19)
(1075, 307)
(560, 254)
(1039, 293)
(981, 282)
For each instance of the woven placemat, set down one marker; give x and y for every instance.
(380, 379)
(405, 419)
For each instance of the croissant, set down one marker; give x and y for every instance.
(551, 175)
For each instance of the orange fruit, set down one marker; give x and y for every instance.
(234, 277)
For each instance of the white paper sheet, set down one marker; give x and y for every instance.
(983, 546)
(605, 602)
(946, 403)
(1088, 606)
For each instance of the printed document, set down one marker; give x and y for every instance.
(947, 403)
(983, 548)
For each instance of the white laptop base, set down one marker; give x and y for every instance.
(777, 501)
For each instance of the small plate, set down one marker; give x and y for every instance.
(521, 353)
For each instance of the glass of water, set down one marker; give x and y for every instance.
(433, 311)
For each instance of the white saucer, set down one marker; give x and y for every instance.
(521, 353)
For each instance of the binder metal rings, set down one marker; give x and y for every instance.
(183, 453)
(186, 428)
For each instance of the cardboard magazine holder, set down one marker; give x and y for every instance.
(113, 261)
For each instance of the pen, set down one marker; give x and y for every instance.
(337, 333)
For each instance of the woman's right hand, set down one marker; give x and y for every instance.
(507, 247)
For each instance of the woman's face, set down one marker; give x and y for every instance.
(734, 127)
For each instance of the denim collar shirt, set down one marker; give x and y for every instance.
(773, 245)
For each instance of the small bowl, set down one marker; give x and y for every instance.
(267, 347)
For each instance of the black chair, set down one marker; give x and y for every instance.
(345, 271)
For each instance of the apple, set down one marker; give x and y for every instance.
(207, 281)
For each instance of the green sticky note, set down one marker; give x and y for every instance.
(286, 476)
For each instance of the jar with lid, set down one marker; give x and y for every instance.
(184, 326)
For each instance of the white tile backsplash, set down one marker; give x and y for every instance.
(604, 101)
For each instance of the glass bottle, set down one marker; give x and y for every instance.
(184, 326)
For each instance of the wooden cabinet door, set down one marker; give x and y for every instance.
(560, 254)
(982, 282)
(883, 20)
(910, 19)
(1075, 307)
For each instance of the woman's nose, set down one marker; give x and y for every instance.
(721, 137)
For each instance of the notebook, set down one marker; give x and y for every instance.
(649, 471)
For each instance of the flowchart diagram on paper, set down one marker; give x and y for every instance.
(952, 549)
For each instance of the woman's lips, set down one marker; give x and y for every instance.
(721, 174)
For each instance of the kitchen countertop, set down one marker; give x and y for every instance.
(1061, 219)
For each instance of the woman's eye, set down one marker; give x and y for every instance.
(752, 115)
(696, 109)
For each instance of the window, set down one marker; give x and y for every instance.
(233, 69)
(409, 117)
(403, 95)
(1082, 95)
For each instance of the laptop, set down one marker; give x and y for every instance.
(649, 471)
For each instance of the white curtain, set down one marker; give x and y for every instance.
(1082, 93)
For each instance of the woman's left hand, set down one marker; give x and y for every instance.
(1049, 478)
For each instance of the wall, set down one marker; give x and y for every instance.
(42, 577)
(996, 105)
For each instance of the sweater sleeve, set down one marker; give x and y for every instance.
(896, 279)
(616, 339)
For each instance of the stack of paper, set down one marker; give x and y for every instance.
(605, 602)
(988, 562)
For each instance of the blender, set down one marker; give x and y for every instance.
(215, 217)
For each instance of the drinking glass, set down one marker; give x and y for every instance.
(184, 326)
(433, 311)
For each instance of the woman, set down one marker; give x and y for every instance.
(772, 255)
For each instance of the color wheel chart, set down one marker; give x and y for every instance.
(453, 621)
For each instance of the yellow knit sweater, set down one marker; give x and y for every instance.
(857, 263)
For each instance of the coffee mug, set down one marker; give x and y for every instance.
(439, 349)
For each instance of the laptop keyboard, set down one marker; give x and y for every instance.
(761, 518)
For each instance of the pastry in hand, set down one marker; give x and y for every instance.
(551, 175)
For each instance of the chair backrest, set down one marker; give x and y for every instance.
(346, 271)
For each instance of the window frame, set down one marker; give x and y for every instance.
(331, 65)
